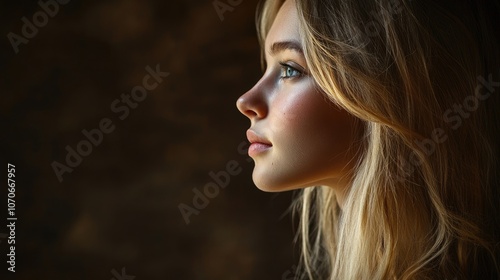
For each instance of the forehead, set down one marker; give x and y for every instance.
(285, 26)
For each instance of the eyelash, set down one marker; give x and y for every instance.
(285, 67)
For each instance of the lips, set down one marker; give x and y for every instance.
(255, 138)
(258, 143)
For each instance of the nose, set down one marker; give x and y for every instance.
(252, 104)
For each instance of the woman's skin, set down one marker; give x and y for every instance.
(299, 138)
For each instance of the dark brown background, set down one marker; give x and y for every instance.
(119, 207)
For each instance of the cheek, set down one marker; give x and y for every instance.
(305, 117)
(291, 107)
(312, 136)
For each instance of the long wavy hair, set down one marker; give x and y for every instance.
(422, 77)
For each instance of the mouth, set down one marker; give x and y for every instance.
(258, 144)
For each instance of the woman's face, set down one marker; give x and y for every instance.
(298, 137)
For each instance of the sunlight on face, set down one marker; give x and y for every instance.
(298, 137)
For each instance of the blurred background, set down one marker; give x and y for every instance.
(63, 69)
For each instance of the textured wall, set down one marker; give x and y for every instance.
(118, 207)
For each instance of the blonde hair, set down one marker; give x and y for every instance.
(423, 202)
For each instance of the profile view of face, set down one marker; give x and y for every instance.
(298, 137)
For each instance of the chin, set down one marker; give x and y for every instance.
(273, 185)
(271, 189)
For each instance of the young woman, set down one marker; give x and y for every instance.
(385, 114)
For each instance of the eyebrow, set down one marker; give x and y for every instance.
(285, 45)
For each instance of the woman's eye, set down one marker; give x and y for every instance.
(288, 71)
